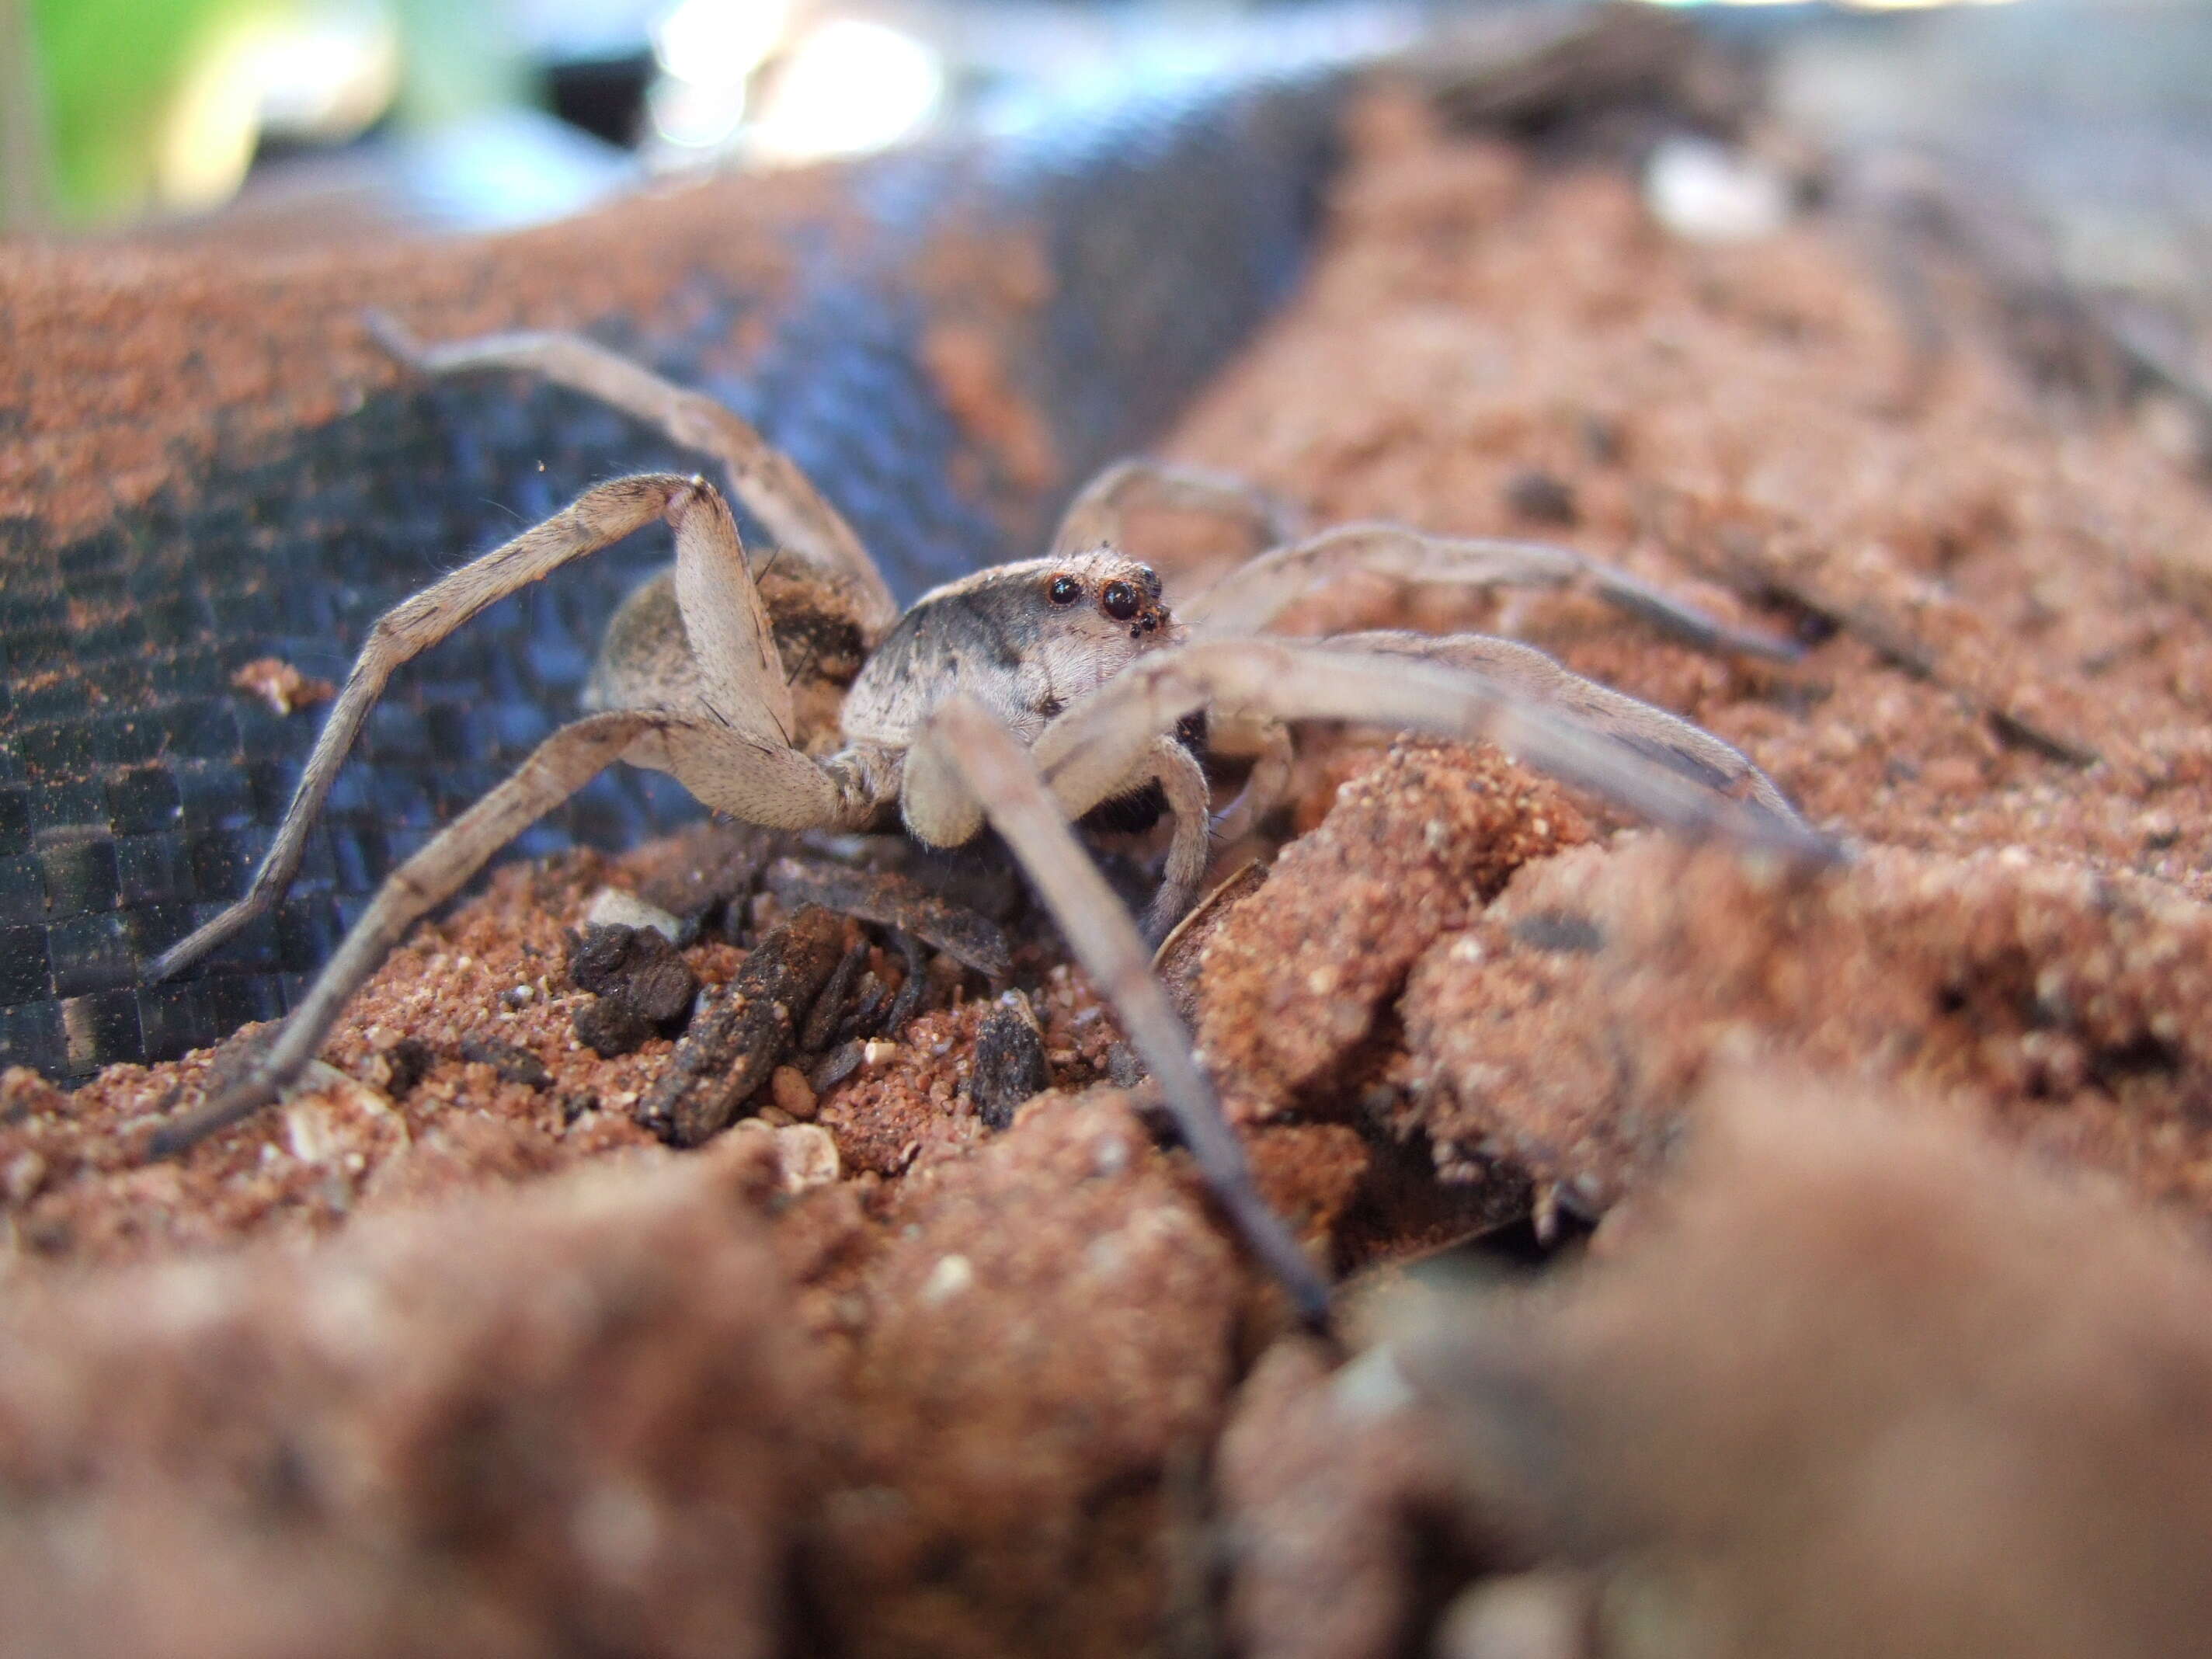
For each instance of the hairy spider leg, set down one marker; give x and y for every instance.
(1663, 769)
(962, 751)
(1247, 599)
(799, 518)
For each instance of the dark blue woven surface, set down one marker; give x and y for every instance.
(138, 789)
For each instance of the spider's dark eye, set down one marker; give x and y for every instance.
(1119, 601)
(1065, 590)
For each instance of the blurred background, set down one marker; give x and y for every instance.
(516, 111)
(508, 111)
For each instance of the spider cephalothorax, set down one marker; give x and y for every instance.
(1028, 697)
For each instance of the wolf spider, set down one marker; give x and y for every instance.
(792, 693)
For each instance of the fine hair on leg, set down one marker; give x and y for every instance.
(1247, 599)
(799, 518)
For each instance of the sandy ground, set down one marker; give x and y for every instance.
(466, 1359)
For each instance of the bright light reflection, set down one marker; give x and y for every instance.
(719, 43)
(1843, 5)
(329, 73)
(846, 88)
(695, 117)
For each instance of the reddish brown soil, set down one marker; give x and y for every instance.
(988, 1375)
(121, 357)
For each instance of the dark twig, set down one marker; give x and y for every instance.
(893, 901)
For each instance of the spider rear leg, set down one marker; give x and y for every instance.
(555, 769)
(962, 751)
(598, 518)
(1249, 598)
(797, 517)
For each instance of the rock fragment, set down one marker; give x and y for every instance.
(742, 1035)
(1010, 1065)
(1296, 973)
(640, 985)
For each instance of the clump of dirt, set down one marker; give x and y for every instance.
(1006, 1484)
(1290, 984)
(2068, 1010)
(508, 1426)
(1854, 1382)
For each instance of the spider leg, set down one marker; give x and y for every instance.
(1650, 731)
(964, 751)
(1661, 767)
(941, 813)
(596, 519)
(1268, 745)
(798, 516)
(1249, 598)
(555, 769)
(1096, 515)
(1183, 780)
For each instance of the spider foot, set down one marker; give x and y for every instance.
(221, 1108)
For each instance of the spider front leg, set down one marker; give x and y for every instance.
(1658, 766)
(598, 518)
(1249, 598)
(1650, 731)
(965, 763)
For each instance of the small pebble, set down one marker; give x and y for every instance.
(1706, 192)
(612, 907)
(1541, 496)
(513, 1065)
(951, 1275)
(791, 1092)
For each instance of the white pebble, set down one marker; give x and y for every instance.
(951, 1275)
(1704, 192)
(612, 907)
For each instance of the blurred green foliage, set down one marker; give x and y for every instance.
(118, 79)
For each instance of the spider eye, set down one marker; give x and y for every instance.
(1065, 590)
(1119, 601)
